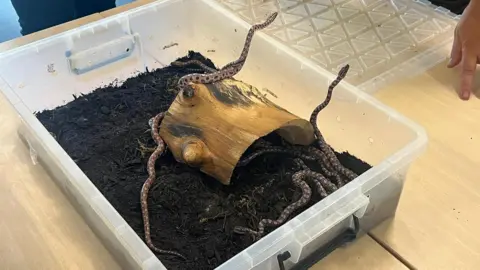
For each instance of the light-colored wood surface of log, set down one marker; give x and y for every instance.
(434, 227)
(435, 224)
(438, 216)
(213, 128)
(369, 254)
(41, 230)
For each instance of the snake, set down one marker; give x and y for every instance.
(319, 180)
(276, 150)
(327, 169)
(229, 70)
(298, 180)
(149, 182)
(332, 158)
(214, 75)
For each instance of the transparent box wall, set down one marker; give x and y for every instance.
(383, 40)
(50, 72)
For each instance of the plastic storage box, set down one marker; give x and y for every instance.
(382, 40)
(47, 73)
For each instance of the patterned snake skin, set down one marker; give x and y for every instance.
(325, 153)
(148, 184)
(298, 180)
(228, 71)
(332, 166)
(323, 145)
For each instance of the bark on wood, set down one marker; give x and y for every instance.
(213, 128)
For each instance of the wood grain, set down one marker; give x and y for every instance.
(212, 129)
(126, 7)
(39, 228)
(435, 225)
(369, 254)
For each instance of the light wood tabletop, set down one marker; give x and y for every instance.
(433, 228)
(435, 223)
(39, 228)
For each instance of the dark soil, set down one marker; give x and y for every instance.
(190, 212)
(455, 6)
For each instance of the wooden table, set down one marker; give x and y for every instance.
(435, 225)
(433, 229)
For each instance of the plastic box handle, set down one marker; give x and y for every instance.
(101, 55)
(355, 208)
(343, 238)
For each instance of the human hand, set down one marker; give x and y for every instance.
(466, 47)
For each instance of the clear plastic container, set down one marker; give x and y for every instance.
(47, 73)
(382, 40)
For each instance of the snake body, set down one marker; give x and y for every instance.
(248, 40)
(205, 79)
(327, 168)
(320, 189)
(333, 160)
(298, 180)
(148, 184)
(332, 167)
(214, 75)
(230, 69)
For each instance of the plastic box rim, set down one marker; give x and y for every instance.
(418, 144)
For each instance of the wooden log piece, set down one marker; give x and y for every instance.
(212, 129)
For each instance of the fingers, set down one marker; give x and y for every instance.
(456, 53)
(469, 64)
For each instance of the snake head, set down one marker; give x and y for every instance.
(272, 17)
(242, 230)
